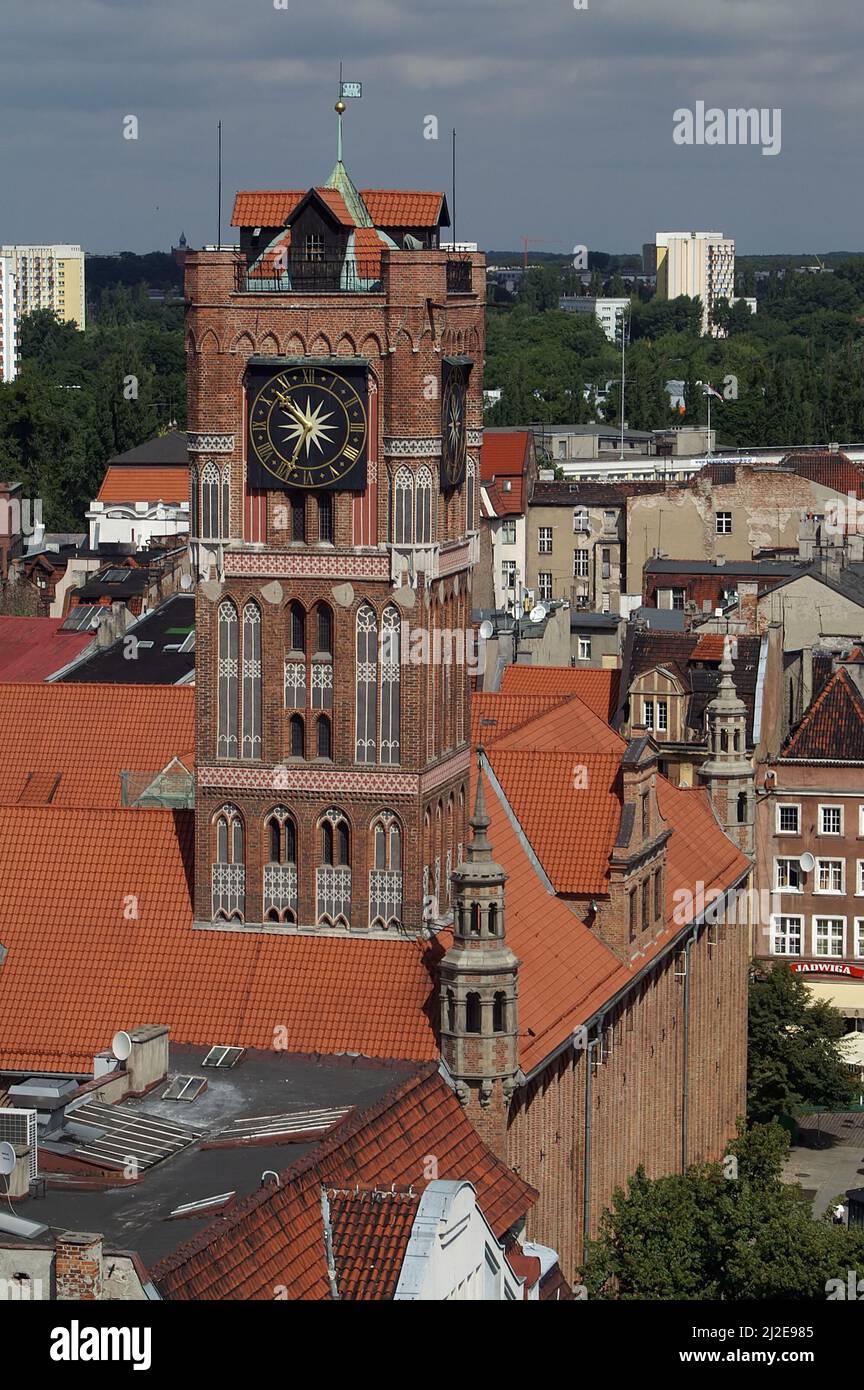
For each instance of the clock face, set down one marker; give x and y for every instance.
(308, 428)
(454, 441)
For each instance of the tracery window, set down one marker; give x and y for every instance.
(385, 878)
(228, 871)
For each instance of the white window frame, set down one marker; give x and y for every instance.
(508, 531)
(787, 806)
(584, 655)
(662, 716)
(648, 711)
(508, 574)
(830, 806)
(581, 568)
(786, 887)
(858, 937)
(544, 540)
(828, 955)
(580, 516)
(830, 892)
(861, 821)
(544, 585)
(787, 932)
(723, 530)
(859, 878)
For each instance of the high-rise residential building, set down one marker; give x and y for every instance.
(8, 321)
(696, 263)
(49, 277)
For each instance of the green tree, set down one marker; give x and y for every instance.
(793, 1049)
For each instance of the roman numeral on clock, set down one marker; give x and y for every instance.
(350, 453)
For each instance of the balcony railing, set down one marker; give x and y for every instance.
(339, 276)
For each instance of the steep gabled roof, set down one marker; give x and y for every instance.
(275, 1238)
(694, 659)
(832, 729)
(145, 484)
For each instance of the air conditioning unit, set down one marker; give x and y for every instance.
(19, 1127)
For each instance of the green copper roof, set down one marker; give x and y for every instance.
(340, 179)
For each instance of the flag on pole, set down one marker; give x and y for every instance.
(708, 390)
(351, 89)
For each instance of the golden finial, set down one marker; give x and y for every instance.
(340, 106)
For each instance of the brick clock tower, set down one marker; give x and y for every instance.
(335, 422)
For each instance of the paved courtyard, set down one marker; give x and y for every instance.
(828, 1157)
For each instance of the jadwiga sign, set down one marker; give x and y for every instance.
(827, 967)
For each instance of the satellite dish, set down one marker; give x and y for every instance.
(8, 1159)
(537, 614)
(121, 1046)
(185, 581)
(807, 862)
(487, 630)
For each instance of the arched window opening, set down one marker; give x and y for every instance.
(451, 1011)
(385, 878)
(367, 685)
(499, 1012)
(333, 879)
(280, 872)
(470, 496)
(227, 745)
(298, 628)
(472, 1013)
(298, 517)
(323, 737)
(475, 919)
(298, 739)
(251, 681)
(423, 522)
(228, 871)
(325, 518)
(403, 493)
(324, 615)
(391, 624)
(742, 808)
(492, 919)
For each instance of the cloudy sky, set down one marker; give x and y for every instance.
(564, 116)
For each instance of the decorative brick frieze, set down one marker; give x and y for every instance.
(413, 448)
(305, 564)
(334, 782)
(210, 443)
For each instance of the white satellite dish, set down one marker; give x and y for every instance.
(8, 1159)
(807, 861)
(487, 630)
(537, 613)
(185, 581)
(121, 1046)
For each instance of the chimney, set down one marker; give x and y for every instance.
(148, 1060)
(78, 1267)
(748, 590)
(806, 678)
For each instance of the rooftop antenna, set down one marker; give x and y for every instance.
(340, 108)
(219, 178)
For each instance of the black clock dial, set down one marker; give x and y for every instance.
(308, 428)
(454, 440)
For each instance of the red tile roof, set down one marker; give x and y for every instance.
(504, 454)
(269, 207)
(145, 485)
(830, 468)
(386, 207)
(709, 647)
(506, 501)
(507, 712)
(832, 728)
(275, 1237)
(371, 1231)
(87, 735)
(32, 649)
(397, 207)
(599, 689)
(107, 942)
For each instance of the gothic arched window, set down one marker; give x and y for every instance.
(403, 496)
(742, 808)
(251, 681)
(385, 878)
(323, 747)
(499, 1012)
(333, 874)
(210, 500)
(324, 618)
(470, 496)
(298, 737)
(423, 518)
(280, 868)
(297, 619)
(367, 685)
(228, 871)
(228, 682)
(325, 517)
(390, 686)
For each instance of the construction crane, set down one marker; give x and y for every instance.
(530, 241)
